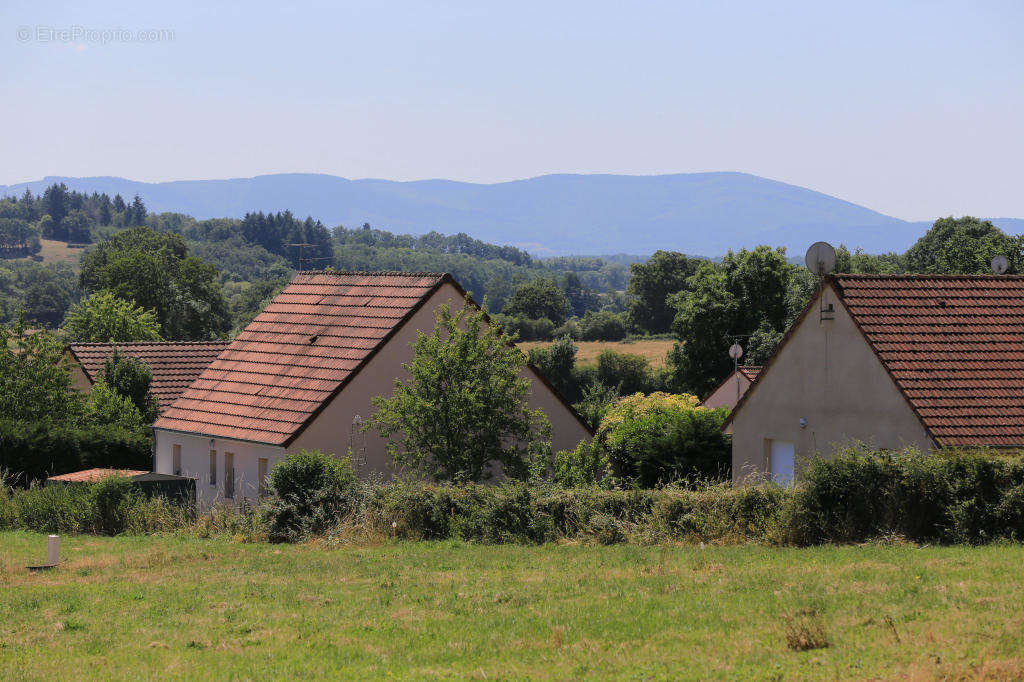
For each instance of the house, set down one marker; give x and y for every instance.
(94, 475)
(928, 361)
(733, 387)
(302, 374)
(174, 364)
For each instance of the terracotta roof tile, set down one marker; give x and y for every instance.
(174, 364)
(296, 354)
(955, 347)
(750, 372)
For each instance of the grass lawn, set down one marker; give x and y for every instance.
(146, 608)
(653, 349)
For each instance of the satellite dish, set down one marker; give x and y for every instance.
(1000, 265)
(735, 351)
(820, 258)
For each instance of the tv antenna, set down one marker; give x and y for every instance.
(307, 260)
(1000, 264)
(736, 352)
(820, 258)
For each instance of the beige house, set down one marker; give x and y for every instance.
(733, 388)
(302, 374)
(892, 360)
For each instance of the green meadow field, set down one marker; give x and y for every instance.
(156, 607)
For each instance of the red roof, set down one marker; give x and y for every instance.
(93, 475)
(298, 354)
(954, 344)
(750, 372)
(174, 364)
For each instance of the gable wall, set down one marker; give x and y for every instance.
(827, 374)
(332, 430)
(727, 395)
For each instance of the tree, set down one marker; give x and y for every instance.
(749, 291)
(35, 378)
(153, 270)
(104, 318)
(131, 378)
(664, 274)
(537, 298)
(556, 362)
(463, 413)
(581, 299)
(963, 246)
(76, 227)
(105, 406)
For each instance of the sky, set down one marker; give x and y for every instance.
(914, 109)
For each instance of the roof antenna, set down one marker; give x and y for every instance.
(303, 261)
(1000, 265)
(736, 352)
(820, 258)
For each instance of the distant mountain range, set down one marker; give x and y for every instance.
(697, 213)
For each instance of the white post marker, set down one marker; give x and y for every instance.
(52, 550)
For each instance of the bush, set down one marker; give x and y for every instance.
(313, 492)
(952, 497)
(656, 439)
(526, 329)
(586, 465)
(626, 372)
(108, 507)
(34, 450)
(603, 326)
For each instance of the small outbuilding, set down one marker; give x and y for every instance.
(927, 361)
(302, 375)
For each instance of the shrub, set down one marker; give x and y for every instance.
(626, 372)
(650, 440)
(313, 491)
(585, 465)
(108, 507)
(603, 326)
(948, 497)
(34, 450)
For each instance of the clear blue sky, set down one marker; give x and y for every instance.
(915, 109)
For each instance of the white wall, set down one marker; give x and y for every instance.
(195, 463)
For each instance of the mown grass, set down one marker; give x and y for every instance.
(154, 607)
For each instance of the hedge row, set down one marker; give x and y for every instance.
(34, 450)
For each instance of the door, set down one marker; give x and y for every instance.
(780, 459)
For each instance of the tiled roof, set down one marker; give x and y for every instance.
(298, 353)
(750, 372)
(954, 346)
(174, 364)
(93, 475)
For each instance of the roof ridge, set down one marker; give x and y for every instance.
(389, 273)
(912, 276)
(146, 343)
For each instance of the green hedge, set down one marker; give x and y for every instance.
(34, 450)
(947, 498)
(109, 507)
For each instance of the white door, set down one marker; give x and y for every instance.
(781, 461)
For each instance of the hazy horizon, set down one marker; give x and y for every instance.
(910, 109)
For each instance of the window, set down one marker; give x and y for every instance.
(176, 460)
(229, 475)
(213, 467)
(262, 466)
